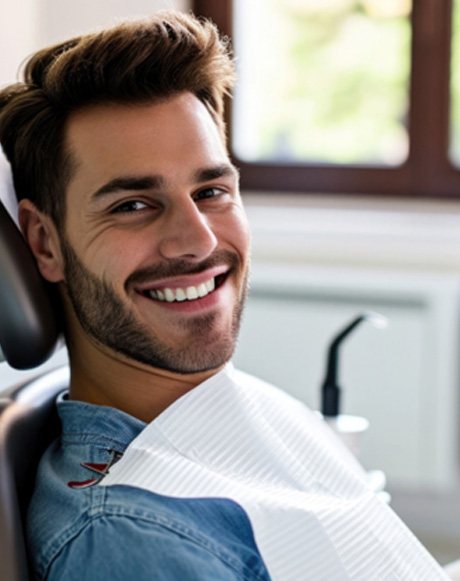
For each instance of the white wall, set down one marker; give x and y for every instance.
(18, 30)
(60, 19)
(27, 25)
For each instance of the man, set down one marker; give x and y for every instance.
(171, 464)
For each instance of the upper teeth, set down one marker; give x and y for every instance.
(189, 293)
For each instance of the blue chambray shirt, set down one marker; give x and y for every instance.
(79, 531)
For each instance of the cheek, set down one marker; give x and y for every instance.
(235, 232)
(114, 259)
(105, 249)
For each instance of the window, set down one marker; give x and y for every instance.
(345, 96)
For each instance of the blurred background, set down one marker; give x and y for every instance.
(346, 126)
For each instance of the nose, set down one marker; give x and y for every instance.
(187, 233)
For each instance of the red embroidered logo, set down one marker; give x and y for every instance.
(100, 469)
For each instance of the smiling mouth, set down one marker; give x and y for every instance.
(189, 293)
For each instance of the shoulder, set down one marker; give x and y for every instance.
(139, 535)
(125, 547)
(123, 532)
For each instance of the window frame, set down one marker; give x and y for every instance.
(427, 172)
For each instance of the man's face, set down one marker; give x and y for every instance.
(155, 239)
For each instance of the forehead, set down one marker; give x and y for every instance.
(170, 137)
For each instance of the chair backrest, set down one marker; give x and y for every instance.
(28, 322)
(29, 331)
(28, 423)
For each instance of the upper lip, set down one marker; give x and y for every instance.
(183, 281)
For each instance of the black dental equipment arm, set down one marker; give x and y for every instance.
(330, 390)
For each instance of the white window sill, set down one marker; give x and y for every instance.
(355, 231)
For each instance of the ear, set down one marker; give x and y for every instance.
(42, 237)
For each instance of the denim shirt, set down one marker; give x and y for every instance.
(80, 531)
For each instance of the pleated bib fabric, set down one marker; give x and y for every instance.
(312, 513)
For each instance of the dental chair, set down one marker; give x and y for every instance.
(28, 422)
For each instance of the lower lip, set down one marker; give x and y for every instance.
(208, 302)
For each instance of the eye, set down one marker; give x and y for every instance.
(129, 207)
(208, 193)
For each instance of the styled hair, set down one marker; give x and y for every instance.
(133, 62)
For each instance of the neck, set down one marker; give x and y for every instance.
(101, 377)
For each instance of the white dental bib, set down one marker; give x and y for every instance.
(312, 513)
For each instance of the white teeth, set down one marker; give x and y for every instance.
(180, 295)
(169, 295)
(191, 293)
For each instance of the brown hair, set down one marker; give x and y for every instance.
(132, 62)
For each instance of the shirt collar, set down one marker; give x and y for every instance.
(89, 420)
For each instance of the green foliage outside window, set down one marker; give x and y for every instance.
(333, 83)
(455, 86)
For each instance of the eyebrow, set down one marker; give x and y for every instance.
(129, 183)
(157, 182)
(219, 171)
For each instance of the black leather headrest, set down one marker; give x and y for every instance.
(28, 325)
